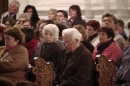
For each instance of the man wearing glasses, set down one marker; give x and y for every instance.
(12, 11)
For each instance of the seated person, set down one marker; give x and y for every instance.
(13, 56)
(92, 29)
(122, 77)
(84, 39)
(49, 49)
(75, 64)
(29, 40)
(107, 46)
(9, 22)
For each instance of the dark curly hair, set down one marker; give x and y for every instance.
(35, 16)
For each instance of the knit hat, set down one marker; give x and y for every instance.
(1, 29)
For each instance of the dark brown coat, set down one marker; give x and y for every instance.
(78, 71)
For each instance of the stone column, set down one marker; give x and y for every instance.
(122, 8)
(88, 11)
(106, 6)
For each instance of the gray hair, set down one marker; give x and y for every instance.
(24, 15)
(75, 34)
(17, 3)
(52, 28)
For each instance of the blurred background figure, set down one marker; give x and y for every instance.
(29, 24)
(31, 10)
(107, 46)
(92, 29)
(13, 11)
(120, 28)
(2, 43)
(10, 22)
(75, 16)
(84, 38)
(61, 28)
(62, 18)
(123, 68)
(14, 57)
(29, 40)
(52, 15)
(22, 18)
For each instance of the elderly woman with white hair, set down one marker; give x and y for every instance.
(49, 49)
(75, 64)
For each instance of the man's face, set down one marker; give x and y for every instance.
(60, 17)
(27, 24)
(69, 43)
(12, 9)
(108, 22)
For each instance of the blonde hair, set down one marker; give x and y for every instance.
(81, 29)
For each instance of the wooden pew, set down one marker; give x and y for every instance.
(42, 72)
(105, 71)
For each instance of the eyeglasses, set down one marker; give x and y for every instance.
(67, 42)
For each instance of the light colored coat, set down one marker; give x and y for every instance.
(13, 63)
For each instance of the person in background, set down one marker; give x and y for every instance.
(10, 22)
(52, 15)
(123, 68)
(120, 28)
(107, 46)
(61, 28)
(29, 40)
(41, 26)
(75, 16)
(31, 10)
(22, 18)
(84, 39)
(75, 64)
(49, 49)
(13, 11)
(128, 26)
(2, 43)
(62, 18)
(109, 20)
(28, 24)
(92, 29)
(14, 57)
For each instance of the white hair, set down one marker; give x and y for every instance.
(17, 3)
(74, 33)
(52, 28)
(24, 15)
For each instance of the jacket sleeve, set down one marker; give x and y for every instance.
(15, 61)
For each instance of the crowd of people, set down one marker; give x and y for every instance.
(71, 44)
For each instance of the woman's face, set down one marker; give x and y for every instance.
(103, 37)
(41, 28)
(51, 16)
(90, 30)
(30, 12)
(73, 13)
(10, 41)
(48, 36)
